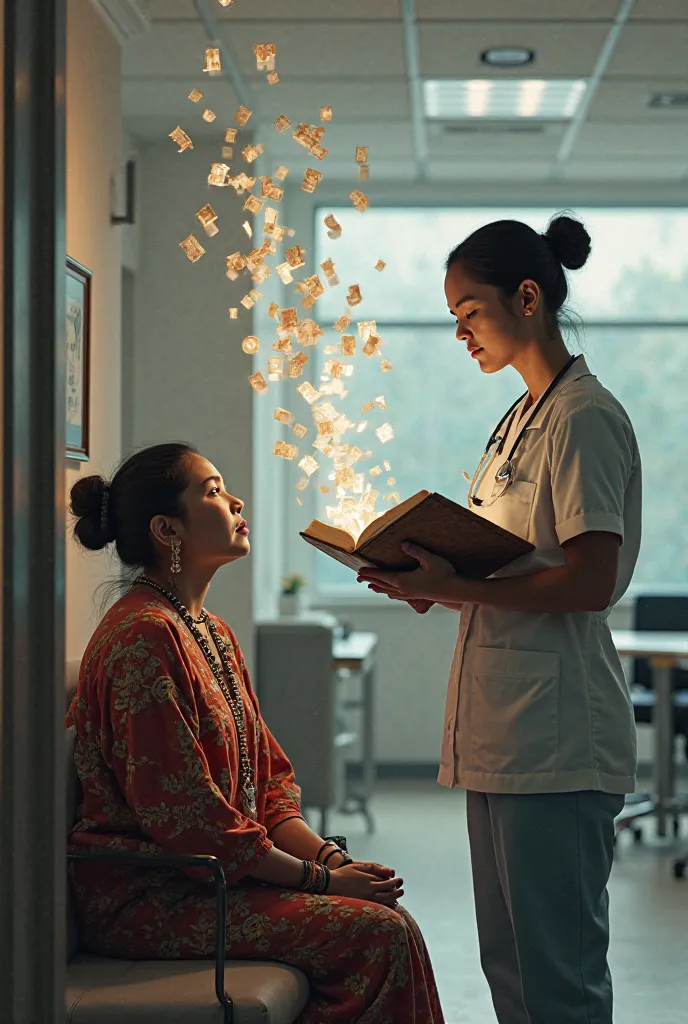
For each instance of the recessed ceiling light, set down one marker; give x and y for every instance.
(507, 56)
(668, 99)
(453, 99)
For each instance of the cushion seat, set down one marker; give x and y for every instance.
(101, 990)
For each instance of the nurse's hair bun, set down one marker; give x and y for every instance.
(568, 240)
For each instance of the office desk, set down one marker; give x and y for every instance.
(357, 655)
(663, 651)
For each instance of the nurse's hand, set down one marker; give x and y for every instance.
(418, 584)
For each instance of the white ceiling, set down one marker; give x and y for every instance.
(351, 55)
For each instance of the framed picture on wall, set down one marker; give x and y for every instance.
(78, 346)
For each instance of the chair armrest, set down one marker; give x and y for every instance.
(181, 861)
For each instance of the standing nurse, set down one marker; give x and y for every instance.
(539, 725)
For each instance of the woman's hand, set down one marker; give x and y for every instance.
(362, 881)
(421, 584)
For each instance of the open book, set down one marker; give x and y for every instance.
(475, 547)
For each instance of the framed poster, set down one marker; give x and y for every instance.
(78, 350)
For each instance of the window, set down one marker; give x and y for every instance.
(632, 296)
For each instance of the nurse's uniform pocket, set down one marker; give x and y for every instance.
(514, 711)
(513, 510)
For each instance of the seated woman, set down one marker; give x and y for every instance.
(173, 756)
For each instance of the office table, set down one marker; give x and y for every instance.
(663, 651)
(357, 655)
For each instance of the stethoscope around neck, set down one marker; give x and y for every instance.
(496, 441)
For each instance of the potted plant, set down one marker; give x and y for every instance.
(293, 596)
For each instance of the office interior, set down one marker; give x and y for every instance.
(511, 108)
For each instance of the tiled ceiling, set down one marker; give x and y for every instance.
(353, 56)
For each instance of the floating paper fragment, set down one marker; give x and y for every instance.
(209, 115)
(273, 78)
(308, 392)
(211, 229)
(360, 427)
(284, 271)
(308, 464)
(334, 228)
(247, 302)
(363, 172)
(181, 138)
(219, 175)
(387, 466)
(250, 153)
(391, 481)
(366, 328)
(311, 179)
(359, 200)
(255, 295)
(258, 382)
(283, 416)
(301, 485)
(354, 296)
(248, 229)
(375, 471)
(394, 497)
(368, 407)
(271, 191)
(195, 95)
(380, 402)
(193, 248)
(308, 333)
(226, 3)
(361, 154)
(285, 450)
(213, 61)
(323, 489)
(342, 323)
(319, 152)
(273, 309)
(275, 368)
(230, 135)
(385, 433)
(281, 123)
(206, 214)
(380, 265)
(242, 115)
(265, 56)
(253, 204)
(295, 256)
(281, 172)
(270, 220)
(299, 430)
(234, 263)
(227, 152)
(326, 113)
(250, 345)
(325, 428)
(348, 345)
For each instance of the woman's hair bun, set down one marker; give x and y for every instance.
(89, 504)
(569, 241)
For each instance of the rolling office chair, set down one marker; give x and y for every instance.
(661, 614)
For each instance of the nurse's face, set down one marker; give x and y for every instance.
(493, 327)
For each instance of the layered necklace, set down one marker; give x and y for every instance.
(226, 680)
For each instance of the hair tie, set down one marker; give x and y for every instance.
(104, 509)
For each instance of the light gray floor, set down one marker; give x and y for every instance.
(421, 833)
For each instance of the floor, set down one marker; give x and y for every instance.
(421, 834)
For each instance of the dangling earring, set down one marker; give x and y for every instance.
(176, 562)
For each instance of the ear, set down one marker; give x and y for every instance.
(163, 531)
(529, 297)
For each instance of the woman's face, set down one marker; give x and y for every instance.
(215, 532)
(491, 327)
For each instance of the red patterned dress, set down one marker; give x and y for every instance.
(157, 756)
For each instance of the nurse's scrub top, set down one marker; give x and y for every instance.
(538, 702)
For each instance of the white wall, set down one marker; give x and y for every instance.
(94, 129)
(188, 373)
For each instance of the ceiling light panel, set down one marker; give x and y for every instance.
(453, 99)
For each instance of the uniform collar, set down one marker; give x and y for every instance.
(575, 372)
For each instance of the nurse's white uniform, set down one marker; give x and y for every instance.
(538, 703)
(539, 725)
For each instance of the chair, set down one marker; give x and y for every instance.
(105, 990)
(667, 614)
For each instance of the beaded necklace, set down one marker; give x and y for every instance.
(231, 692)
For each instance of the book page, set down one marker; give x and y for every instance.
(330, 535)
(391, 517)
